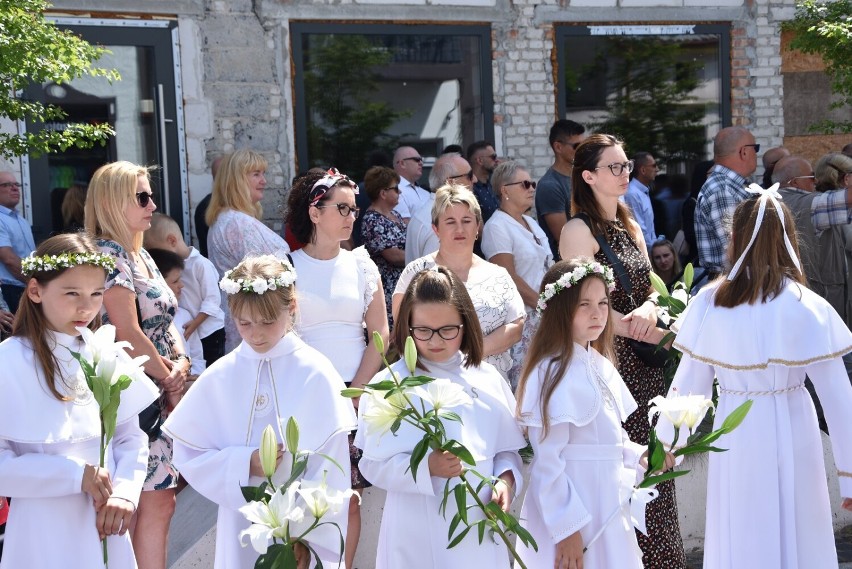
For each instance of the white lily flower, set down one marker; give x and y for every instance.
(101, 342)
(681, 295)
(443, 394)
(380, 413)
(686, 410)
(278, 518)
(320, 499)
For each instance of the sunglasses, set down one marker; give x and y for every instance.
(618, 168)
(393, 189)
(527, 184)
(343, 209)
(755, 146)
(469, 176)
(492, 156)
(424, 334)
(144, 198)
(415, 158)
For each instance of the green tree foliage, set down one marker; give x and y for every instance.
(825, 29)
(345, 122)
(650, 105)
(35, 50)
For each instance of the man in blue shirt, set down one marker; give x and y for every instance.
(16, 241)
(638, 195)
(553, 195)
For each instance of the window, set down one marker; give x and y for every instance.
(363, 88)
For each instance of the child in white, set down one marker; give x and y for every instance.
(171, 266)
(200, 296)
(271, 376)
(50, 430)
(572, 402)
(437, 311)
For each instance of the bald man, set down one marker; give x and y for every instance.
(735, 157)
(770, 158)
(408, 163)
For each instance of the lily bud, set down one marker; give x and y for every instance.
(378, 342)
(292, 434)
(268, 451)
(410, 354)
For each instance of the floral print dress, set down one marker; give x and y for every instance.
(380, 233)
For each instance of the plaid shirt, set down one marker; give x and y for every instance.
(719, 197)
(829, 209)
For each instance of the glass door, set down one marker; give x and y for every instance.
(141, 107)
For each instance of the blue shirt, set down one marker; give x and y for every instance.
(719, 197)
(16, 233)
(487, 200)
(639, 199)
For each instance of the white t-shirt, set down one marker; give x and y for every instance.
(532, 255)
(411, 197)
(495, 298)
(201, 293)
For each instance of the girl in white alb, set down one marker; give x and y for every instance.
(572, 402)
(438, 313)
(50, 430)
(271, 376)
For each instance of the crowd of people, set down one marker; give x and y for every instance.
(557, 310)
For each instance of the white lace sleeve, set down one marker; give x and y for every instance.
(371, 274)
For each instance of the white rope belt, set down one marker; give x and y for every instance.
(760, 393)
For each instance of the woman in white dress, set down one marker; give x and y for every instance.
(573, 402)
(760, 332)
(271, 376)
(438, 313)
(517, 243)
(50, 428)
(456, 219)
(341, 300)
(234, 217)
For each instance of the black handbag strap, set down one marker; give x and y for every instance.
(617, 265)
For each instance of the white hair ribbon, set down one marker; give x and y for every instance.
(765, 195)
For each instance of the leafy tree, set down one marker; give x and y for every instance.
(825, 29)
(649, 104)
(35, 50)
(345, 122)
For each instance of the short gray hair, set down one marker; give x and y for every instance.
(442, 170)
(503, 174)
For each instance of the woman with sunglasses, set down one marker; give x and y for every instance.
(139, 303)
(456, 219)
(340, 294)
(518, 244)
(602, 227)
(382, 228)
(234, 217)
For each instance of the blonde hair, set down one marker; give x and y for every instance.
(30, 321)
(231, 189)
(111, 191)
(449, 195)
(161, 227)
(271, 303)
(553, 340)
(74, 205)
(830, 170)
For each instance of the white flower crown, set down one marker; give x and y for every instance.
(572, 279)
(259, 285)
(45, 263)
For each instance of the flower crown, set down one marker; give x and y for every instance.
(573, 278)
(45, 263)
(259, 285)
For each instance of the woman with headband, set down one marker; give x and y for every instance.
(234, 217)
(340, 296)
(760, 331)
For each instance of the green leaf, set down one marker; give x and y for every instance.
(736, 417)
(328, 458)
(454, 523)
(697, 449)
(458, 539)
(442, 509)
(416, 380)
(656, 479)
(460, 494)
(384, 385)
(420, 450)
(480, 530)
(450, 416)
(459, 450)
(525, 536)
(352, 392)
(250, 493)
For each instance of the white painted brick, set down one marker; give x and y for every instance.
(536, 76)
(514, 77)
(716, 3)
(478, 3)
(650, 3)
(762, 71)
(593, 3)
(765, 92)
(408, 2)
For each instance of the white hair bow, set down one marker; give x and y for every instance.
(765, 195)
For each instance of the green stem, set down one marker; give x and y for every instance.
(102, 458)
(499, 530)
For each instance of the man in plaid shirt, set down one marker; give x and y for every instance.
(735, 157)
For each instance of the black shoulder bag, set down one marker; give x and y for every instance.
(650, 354)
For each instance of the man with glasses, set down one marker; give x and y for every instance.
(735, 157)
(553, 195)
(408, 163)
(638, 195)
(16, 241)
(420, 238)
(483, 159)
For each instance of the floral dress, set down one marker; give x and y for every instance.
(380, 233)
(662, 548)
(157, 307)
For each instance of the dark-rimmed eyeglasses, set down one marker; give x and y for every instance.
(418, 159)
(343, 209)
(492, 156)
(755, 146)
(393, 189)
(618, 168)
(144, 198)
(469, 176)
(527, 184)
(424, 333)
(10, 185)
